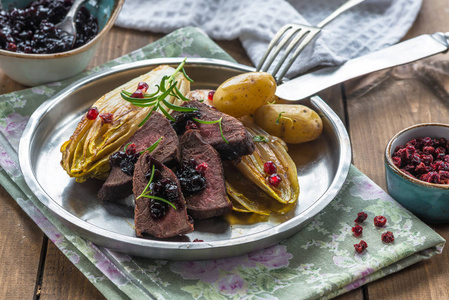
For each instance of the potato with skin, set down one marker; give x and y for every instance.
(241, 95)
(292, 123)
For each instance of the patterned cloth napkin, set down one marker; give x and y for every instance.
(317, 262)
(367, 27)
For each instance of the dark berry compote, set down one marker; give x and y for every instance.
(125, 160)
(191, 177)
(32, 29)
(164, 188)
(183, 121)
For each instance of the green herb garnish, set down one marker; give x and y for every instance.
(146, 192)
(149, 149)
(167, 87)
(260, 138)
(279, 117)
(152, 147)
(126, 146)
(282, 117)
(213, 122)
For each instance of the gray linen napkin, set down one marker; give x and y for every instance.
(367, 27)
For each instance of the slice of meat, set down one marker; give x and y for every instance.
(174, 222)
(240, 142)
(119, 184)
(211, 201)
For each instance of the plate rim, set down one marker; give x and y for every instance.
(118, 241)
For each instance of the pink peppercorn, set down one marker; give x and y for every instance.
(387, 237)
(361, 216)
(357, 230)
(380, 221)
(92, 113)
(360, 247)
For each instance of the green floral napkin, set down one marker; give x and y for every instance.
(317, 262)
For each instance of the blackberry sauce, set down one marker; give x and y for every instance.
(183, 121)
(161, 187)
(124, 161)
(32, 29)
(190, 179)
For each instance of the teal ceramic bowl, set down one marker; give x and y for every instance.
(37, 69)
(428, 201)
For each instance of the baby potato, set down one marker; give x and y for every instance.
(292, 123)
(241, 95)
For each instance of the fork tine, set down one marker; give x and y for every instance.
(300, 45)
(272, 44)
(289, 35)
(300, 40)
(304, 36)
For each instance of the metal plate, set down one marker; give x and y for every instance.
(322, 169)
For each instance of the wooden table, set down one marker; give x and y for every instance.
(31, 266)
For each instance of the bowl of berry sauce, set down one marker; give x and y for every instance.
(417, 170)
(34, 52)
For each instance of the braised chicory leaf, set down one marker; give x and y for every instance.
(86, 153)
(252, 166)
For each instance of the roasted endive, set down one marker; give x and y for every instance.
(286, 191)
(86, 153)
(249, 197)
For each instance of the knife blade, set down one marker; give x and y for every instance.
(405, 52)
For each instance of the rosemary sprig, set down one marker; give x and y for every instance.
(213, 122)
(126, 146)
(152, 147)
(146, 192)
(167, 87)
(149, 149)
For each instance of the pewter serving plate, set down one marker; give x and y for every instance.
(322, 169)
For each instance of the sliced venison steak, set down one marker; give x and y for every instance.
(172, 222)
(118, 185)
(211, 201)
(240, 142)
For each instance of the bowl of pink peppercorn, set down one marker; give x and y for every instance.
(417, 170)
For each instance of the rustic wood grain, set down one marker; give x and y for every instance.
(21, 242)
(432, 17)
(380, 105)
(392, 102)
(404, 96)
(62, 280)
(352, 295)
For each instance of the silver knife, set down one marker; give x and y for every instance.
(408, 51)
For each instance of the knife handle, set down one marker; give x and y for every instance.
(443, 38)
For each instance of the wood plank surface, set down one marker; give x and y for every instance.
(402, 98)
(20, 251)
(377, 107)
(62, 280)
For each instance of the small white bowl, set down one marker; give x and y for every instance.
(36, 69)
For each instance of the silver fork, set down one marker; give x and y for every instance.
(299, 37)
